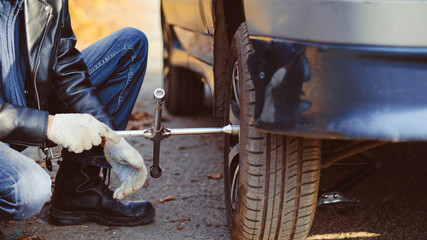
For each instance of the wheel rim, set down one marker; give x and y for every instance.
(235, 82)
(233, 141)
(234, 175)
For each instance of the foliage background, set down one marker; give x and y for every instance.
(87, 18)
(94, 19)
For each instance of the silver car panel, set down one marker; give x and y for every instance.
(196, 44)
(207, 12)
(358, 22)
(184, 13)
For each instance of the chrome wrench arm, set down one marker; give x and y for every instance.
(166, 132)
(159, 133)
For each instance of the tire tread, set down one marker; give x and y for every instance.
(279, 174)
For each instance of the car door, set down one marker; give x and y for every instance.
(207, 14)
(184, 13)
(193, 25)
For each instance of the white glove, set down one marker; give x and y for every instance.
(129, 166)
(79, 132)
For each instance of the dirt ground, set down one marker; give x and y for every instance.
(393, 200)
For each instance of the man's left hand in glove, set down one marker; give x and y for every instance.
(129, 166)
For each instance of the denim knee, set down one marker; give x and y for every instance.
(135, 38)
(35, 194)
(24, 193)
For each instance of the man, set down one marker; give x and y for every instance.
(50, 92)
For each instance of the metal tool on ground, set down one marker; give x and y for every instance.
(159, 133)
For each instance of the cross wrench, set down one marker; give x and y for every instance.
(159, 133)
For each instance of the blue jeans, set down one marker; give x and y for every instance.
(24, 185)
(116, 65)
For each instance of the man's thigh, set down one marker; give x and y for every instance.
(116, 66)
(24, 185)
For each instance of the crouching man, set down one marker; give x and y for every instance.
(50, 92)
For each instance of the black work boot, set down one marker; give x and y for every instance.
(81, 195)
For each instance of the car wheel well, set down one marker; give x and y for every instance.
(228, 17)
(234, 15)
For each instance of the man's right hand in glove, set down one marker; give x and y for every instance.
(78, 132)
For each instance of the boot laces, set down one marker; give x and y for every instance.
(106, 176)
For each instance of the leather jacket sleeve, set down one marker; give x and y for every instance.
(73, 92)
(22, 125)
(71, 79)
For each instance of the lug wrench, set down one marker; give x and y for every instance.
(159, 133)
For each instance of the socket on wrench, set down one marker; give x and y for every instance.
(158, 133)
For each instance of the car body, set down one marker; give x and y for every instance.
(319, 69)
(379, 43)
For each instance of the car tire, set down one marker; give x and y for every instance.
(271, 180)
(185, 91)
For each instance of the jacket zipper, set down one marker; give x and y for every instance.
(38, 59)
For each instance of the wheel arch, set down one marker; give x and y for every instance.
(228, 15)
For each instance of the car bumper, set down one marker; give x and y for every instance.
(341, 91)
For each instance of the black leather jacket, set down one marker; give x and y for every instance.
(58, 80)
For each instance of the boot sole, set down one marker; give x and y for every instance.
(62, 218)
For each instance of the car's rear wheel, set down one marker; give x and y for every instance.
(184, 88)
(271, 180)
(184, 91)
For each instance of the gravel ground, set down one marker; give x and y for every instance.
(392, 200)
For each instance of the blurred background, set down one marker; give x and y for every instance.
(95, 19)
